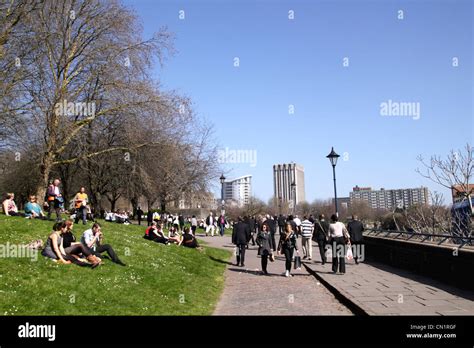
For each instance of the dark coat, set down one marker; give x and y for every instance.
(264, 242)
(288, 243)
(240, 233)
(355, 228)
(271, 225)
(321, 234)
(149, 216)
(281, 221)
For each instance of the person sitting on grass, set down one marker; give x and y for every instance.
(173, 235)
(9, 205)
(188, 240)
(92, 240)
(68, 237)
(54, 249)
(155, 233)
(33, 209)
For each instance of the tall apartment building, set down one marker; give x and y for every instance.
(283, 176)
(390, 199)
(238, 190)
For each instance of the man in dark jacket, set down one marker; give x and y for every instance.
(321, 236)
(149, 217)
(139, 215)
(240, 237)
(355, 228)
(281, 224)
(271, 223)
(251, 224)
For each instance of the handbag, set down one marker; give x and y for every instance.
(349, 255)
(297, 262)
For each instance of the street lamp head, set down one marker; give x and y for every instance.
(222, 179)
(333, 156)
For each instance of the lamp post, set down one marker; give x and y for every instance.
(222, 179)
(293, 191)
(333, 156)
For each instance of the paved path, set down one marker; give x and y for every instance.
(247, 292)
(379, 289)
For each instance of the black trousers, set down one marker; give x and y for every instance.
(338, 255)
(108, 248)
(357, 249)
(288, 252)
(264, 263)
(322, 250)
(241, 254)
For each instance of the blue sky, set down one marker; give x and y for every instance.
(300, 62)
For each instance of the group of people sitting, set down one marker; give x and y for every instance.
(32, 209)
(119, 216)
(63, 247)
(155, 232)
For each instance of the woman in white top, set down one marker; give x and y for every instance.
(338, 237)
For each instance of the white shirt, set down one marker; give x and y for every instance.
(87, 237)
(297, 221)
(337, 229)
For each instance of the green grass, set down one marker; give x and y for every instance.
(156, 281)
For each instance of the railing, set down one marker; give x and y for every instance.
(439, 239)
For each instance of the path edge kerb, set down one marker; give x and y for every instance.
(346, 301)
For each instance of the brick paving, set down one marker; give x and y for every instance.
(247, 292)
(371, 288)
(379, 289)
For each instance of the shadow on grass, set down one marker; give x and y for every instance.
(219, 260)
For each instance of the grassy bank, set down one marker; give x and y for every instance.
(158, 279)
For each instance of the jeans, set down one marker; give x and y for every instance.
(272, 237)
(81, 212)
(222, 229)
(307, 247)
(322, 250)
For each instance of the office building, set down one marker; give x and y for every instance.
(238, 191)
(390, 199)
(284, 175)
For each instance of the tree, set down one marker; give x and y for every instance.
(86, 53)
(454, 173)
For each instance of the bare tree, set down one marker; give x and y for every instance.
(454, 173)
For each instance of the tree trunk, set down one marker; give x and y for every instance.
(45, 170)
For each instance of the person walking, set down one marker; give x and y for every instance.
(80, 202)
(149, 217)
(356, 228)
(272, 226)
(287, 246)
(321, 236)
(210, 224)
(139, 215)
(265, 248)
(194, 224)
(339, 237)
(306, 235)
(281, 224)
(221, 223)
(240, 238)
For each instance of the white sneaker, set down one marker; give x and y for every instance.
(287, 274)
